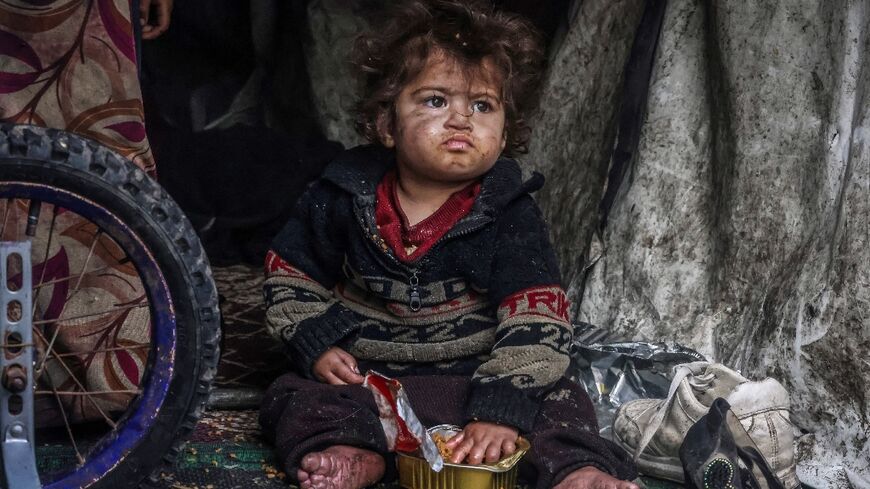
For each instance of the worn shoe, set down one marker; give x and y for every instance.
(653, 429)
(717, 453)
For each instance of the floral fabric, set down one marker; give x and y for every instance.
(71, 65)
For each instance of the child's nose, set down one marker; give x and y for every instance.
(459, 119)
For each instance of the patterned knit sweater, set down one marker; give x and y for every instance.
(485, 301)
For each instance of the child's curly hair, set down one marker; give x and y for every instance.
(396, 51)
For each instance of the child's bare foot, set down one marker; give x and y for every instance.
(340, 467)
(592, 478)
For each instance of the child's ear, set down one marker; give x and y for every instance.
(385, 133)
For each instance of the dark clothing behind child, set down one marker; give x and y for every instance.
(484, 303)
(306, 416)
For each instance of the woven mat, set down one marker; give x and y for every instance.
(250, 357)
(226, 451)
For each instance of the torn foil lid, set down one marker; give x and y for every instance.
(404, 431)
(615, 373)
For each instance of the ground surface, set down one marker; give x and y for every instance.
(227, 452)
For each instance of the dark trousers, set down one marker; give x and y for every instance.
(301, 416)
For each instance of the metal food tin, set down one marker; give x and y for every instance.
(415, 473)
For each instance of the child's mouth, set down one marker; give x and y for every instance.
(457, 143)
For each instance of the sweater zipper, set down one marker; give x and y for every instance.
(414, 301)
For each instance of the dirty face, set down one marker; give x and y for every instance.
(449, 123)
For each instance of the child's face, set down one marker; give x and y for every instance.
(449, 127)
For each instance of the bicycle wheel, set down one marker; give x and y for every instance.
(126, 320)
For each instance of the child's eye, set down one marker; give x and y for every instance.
(481, 106)
(435, 101)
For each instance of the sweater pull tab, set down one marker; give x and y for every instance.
(414, 301)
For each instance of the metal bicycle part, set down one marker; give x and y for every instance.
(16, 368)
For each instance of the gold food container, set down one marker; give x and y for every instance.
(415, 473)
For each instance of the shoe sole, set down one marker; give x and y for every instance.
(669, 468)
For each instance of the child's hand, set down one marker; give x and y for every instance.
(483, 442)
(337, 367)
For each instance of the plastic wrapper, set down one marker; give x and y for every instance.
(404, 431)
(615, 373)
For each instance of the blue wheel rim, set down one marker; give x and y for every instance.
(135, 425)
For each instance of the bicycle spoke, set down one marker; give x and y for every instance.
(140, 346)
(37, 289)
(85, 266)
(70, 277)
(88, 393)
(48, 350)
(17, 230)
(72, 438)
(84, 316)
(70, 296)
(5, 216)
(58, 280)
(75, 379)
(48, 244)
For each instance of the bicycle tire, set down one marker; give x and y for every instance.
(64, 162)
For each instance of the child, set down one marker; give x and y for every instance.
(424, 257)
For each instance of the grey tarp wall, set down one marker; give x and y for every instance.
(741, 227)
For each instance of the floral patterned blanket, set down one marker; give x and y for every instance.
(71, 64)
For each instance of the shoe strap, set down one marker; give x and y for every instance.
(750, 454)
(758, 467)
(680, 373)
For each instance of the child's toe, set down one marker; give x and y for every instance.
(313, 463)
